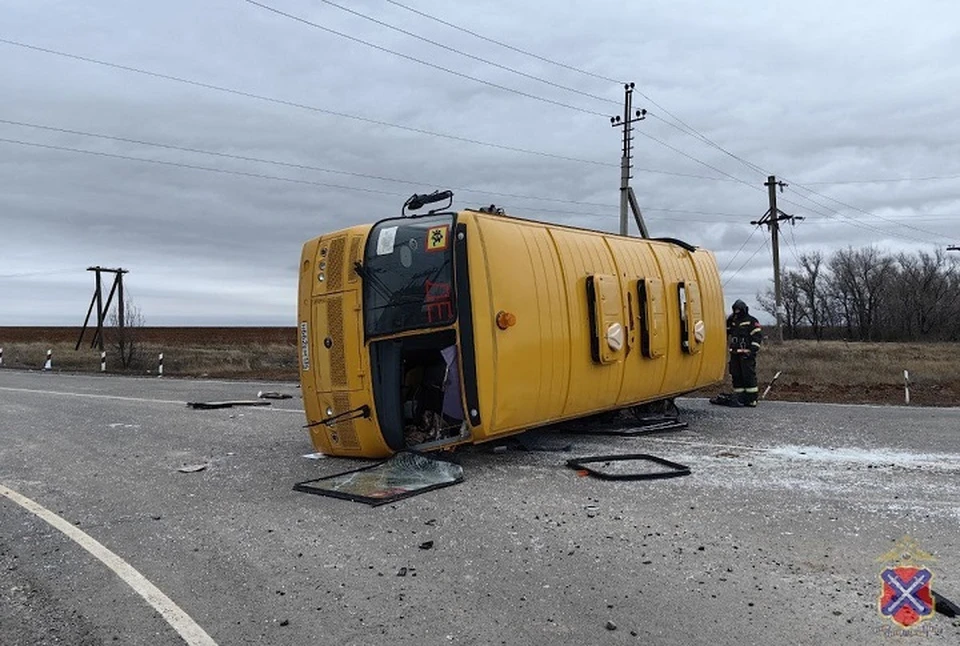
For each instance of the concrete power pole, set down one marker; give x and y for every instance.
(772, 219)
(627, 197)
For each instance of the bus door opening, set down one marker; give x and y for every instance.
(417, 390)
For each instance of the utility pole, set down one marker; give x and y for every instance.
(627, 197)
(772, 219)
(101, 308)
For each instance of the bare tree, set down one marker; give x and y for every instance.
(126, 341)
(860, 282)
(811, 283)
(927, 301)
(790, 302)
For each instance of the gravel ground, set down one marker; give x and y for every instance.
(773, 539)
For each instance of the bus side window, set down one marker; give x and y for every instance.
(691, 316)
(652, 319)
(682, 303)
(605, 308)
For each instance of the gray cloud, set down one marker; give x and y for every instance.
(816, 92)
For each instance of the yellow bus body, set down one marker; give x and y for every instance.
(556, 323)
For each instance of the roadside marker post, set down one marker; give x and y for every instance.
(1, 357)
(103, 361)
(906, 387)
(160, 366)
(767, 389)
(49, 364)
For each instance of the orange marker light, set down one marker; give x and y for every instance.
(505, 320)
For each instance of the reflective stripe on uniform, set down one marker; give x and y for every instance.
(756, 330)
(756, 344)
(739, 390)
(746, 323)
(750, 390)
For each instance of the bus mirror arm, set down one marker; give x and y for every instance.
(419, 200)
(361, 412)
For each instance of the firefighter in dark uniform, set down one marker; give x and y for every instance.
(744, 336)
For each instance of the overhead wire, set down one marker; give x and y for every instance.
(448, 70)
(727, 176)
(747, 262)
(884, 180)
(448, 48)
(301, 166)
(264, 176)
(873, 215)
(46, 272)
(420, 61)
(488, 39)
(734, 257)
(683, 127)
(312, 108)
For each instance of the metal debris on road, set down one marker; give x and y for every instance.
(193, 468)
(273, 395)
(226, 404)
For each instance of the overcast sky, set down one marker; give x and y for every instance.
(822, 94)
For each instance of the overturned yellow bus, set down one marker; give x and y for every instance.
(428, 331)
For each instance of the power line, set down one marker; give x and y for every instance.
(884, 180)
(465, 54)
(873, 215)
(208, 169)
(309, 182)
(275, 162)
(734, 257)
(334, 171)
(303, 106)
(794, 249)
(421, 61)
(314, 183)
(513, 48)
(50, 272)
(747, 262)
(490, 83)
(378, 122)
(683, 127)
(210, 86)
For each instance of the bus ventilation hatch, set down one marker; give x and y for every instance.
(354, 258)
(338, 363)
(335, 265)
(343, 432)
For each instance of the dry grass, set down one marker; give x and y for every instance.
(262, 353)
(862, 372)
(827, 371)
(861, 363)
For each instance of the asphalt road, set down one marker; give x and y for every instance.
(773, 539)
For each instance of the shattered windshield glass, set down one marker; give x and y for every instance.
(408, 275)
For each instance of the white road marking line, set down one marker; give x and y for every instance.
(92, 395)
(131, 399)
(180, 621)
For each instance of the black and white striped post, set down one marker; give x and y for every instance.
(103, 361)
(1, 357)
(160, 366)
(49, 364)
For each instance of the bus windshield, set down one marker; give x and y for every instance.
(408, 275)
